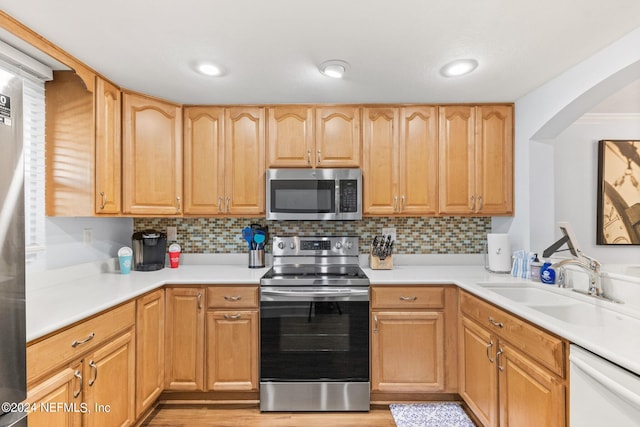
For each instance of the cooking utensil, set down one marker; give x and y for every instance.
(247, 234)
(259, 239)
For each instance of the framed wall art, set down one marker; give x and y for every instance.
(618, 215)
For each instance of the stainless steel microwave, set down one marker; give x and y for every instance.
(314, 194)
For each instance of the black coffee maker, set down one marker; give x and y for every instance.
(149, 250)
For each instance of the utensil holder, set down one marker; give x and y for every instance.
(256, 258)
(381, 264)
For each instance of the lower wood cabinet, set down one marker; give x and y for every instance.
(51, 400)
(511, 372)
(226, 319)
(410, 352)
(149, 349)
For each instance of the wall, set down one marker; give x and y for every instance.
(65, 241)
(414, 235)
(576, 176)
(540, 116)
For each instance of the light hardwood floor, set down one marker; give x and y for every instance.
(250, 416)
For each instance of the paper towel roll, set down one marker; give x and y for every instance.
(499, 252)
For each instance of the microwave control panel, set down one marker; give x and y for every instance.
(348, 195)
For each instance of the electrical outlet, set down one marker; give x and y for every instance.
(172, 234)
(389, 231)
(87, 236)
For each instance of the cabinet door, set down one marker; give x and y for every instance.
(290, 137)
(184, 339)
(337, 136)
(203, 160)
(456, 155)
(48, 400)
(529, 395)
(244, 161)
(418, 165)
(108, 148)
(478, 378)
(149, 349)
(380, 161)
(232, 350)
(109, 375)
(152, 156)
(407, 351)
(70, 146)
(494, 159)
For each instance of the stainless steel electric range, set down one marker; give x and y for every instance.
(314, 327)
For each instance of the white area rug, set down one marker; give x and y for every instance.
(445, 414)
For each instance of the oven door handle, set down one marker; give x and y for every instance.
(346, 293)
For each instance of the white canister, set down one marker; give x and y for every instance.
(498, 257)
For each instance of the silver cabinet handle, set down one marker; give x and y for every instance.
(179, 203)
(375, 324)
(480, 202)
(472, 203)
(498, 354)
(395, 203)
(489, 346)
(232, 298)
(496, 324)
(308, 157)
(95, 372)
(76, 343)
(318, 159)
(219, 203)
(103, 203)
(199, 300)
(78, 375)
(227, 203)
(413, 298)
(232, 316)
(404, 203)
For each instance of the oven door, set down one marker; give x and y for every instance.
(314, 348)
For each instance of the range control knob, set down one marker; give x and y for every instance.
(349, 244)
(338, 245)
(280, 245)
(292, 245)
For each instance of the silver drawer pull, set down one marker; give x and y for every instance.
(76, 343)
(413, 298)
(78, 375)
(494, 323)
(93, 365)
(232, 316)
(232, 298)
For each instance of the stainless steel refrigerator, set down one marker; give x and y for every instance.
(12, 260)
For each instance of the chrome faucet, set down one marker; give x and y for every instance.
(588, 264)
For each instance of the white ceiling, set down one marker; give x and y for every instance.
(271, 48)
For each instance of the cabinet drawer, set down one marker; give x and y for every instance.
(410, 297)
(68, 344)
(232, 297)
(531, 340)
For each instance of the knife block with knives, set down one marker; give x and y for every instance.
(381, 254)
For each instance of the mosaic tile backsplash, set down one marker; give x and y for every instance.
(414, 235)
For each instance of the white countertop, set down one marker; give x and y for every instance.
(67, 299)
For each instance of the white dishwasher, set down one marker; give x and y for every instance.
(602, 393)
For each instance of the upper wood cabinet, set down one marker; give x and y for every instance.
(70, 146)
(224, 160)
(203, 160)
(476, 159)
(400, 160)
(290, 138)
(152, 156)
(108, 189)
(304, 136)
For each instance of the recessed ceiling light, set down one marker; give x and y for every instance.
(209, 69)
(334, 68)
(459, 67)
